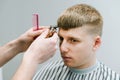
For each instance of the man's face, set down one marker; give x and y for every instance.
(77, 47)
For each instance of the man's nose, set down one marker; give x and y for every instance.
(64, 46)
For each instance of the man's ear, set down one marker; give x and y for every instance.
(97, 42)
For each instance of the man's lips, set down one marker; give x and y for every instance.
(66, 58)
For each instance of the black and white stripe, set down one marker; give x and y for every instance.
(58, 71)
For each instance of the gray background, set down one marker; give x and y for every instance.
(16, 18)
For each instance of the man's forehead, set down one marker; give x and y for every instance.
(75, 32)
(78, 29)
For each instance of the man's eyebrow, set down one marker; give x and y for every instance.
(70, 37)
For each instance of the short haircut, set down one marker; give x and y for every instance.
(80, 15)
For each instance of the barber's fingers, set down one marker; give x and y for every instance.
(44, 34)
(55, 37)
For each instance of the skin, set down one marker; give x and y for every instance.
(39, 51)
(78, 47)
(21, 44)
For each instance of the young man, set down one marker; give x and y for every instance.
(80, 30)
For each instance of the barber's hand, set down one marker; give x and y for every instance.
(27, 38)
(41, 49)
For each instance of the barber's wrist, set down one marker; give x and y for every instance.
(33, 58)
(30, 61)
(14, 46)
(21, 45)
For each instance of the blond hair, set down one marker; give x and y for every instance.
(80, 15)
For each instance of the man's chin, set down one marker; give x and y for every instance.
(68, 64)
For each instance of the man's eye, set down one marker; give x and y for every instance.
(73, 40)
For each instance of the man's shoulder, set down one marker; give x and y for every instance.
(108, 72)
(105, 68)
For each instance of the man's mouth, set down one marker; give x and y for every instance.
(65, 58)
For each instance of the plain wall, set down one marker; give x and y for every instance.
(16, 18)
